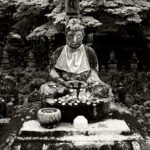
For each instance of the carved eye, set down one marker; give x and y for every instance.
(79, 37)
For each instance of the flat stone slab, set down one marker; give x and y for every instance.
(4, 121)
(108, 130)
(105, 133)
(107, 126)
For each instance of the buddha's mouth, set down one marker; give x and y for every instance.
(75, 46)
(74, 43)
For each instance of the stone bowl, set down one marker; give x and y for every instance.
(49, 117)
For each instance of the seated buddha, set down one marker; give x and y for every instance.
(74, 65)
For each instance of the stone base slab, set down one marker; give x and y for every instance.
(107, 127)
(110, 134)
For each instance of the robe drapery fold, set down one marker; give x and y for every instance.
(73, 60)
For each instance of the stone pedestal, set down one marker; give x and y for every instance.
(109, 134)
(24, 132)
(4, 122)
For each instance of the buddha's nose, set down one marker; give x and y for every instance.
(75, 39)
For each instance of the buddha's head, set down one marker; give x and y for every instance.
(74, 33)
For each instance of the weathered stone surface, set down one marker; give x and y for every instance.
(123, 20)
(100, 135)
(25, 12)
(108, 126)
(35, 20)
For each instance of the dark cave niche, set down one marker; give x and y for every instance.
(60, 40)
(41, 52)
(123, 45)
(123, 49)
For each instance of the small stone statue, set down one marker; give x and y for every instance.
(112, 63)
(134, 62)
(3, 109)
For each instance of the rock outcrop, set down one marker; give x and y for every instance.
(41, 24)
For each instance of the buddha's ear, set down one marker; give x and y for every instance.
(83, 33)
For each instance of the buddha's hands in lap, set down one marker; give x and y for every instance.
(95, 84)
(75, 84)
(66, 84)
(69, 84)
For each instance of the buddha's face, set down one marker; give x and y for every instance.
(74, 39)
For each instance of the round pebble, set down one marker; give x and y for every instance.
(70, 104)
(63, 104)
(88, 103)
(78, 101)
(94, 104)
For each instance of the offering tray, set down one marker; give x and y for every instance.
(93, 108)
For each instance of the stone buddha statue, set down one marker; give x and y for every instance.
(74, 63)
(73, 66)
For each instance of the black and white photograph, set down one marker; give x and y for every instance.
(74, 74)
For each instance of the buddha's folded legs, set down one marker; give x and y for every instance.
(101, 88)
(51, 88)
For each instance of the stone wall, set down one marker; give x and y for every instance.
(118, 30)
